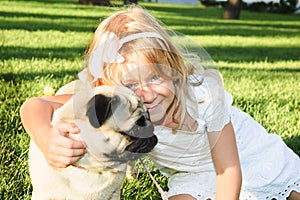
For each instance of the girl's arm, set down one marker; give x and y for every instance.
(227, 165)
(58, 149)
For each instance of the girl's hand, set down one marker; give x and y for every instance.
(58, 149)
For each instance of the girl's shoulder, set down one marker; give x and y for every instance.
(208, 89)
(213, 103)
(73, 87)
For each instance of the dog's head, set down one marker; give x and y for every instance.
(114, 124)
(121, 111)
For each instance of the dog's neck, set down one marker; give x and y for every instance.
(93, 163)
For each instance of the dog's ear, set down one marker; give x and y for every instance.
(99, 109)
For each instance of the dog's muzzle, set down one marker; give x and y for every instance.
(144, 140)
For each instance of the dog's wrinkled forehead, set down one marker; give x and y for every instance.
(121, 91)
(118, 104)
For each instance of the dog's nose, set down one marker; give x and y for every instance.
(141, 121)
(137, 131)
(148, 130)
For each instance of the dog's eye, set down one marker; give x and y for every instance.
(141, 121)
(115, 99)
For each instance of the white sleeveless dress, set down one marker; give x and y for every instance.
(270, 170)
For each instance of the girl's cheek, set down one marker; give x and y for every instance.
(166, 88)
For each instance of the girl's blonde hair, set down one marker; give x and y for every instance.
(164, 57)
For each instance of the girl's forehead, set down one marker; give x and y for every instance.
(136, 58)
(140, 65)
(137, 64)
(135, 72)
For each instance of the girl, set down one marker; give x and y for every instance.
(208, 148)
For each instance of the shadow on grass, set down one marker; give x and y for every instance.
(252, 25)
(294, 143)
(28, 52)
(34, 22)
(195, 11)
(228, 54)
(235, 30)
(249, 70)
(46, 16)
(253, 54)
(29, 76)
(193, 19)
(51, 1)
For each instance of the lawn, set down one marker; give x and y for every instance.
(42, 44)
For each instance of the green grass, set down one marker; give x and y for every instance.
(42, 43)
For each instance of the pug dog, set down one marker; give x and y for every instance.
(116, 128)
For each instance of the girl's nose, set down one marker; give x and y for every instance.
(146, 93)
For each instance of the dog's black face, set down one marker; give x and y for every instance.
(125, 114)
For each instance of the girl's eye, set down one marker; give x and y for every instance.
(132, 86)
(155, 79)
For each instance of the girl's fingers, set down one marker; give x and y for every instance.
(62, 150)
(62, 161)
(67, 147)
(68, 143)
(70, 153)
(66, 128)
(63, 157)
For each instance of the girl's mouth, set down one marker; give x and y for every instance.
(153, 107)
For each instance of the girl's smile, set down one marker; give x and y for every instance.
(151, 108)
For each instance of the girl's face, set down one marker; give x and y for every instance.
(156, 93)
